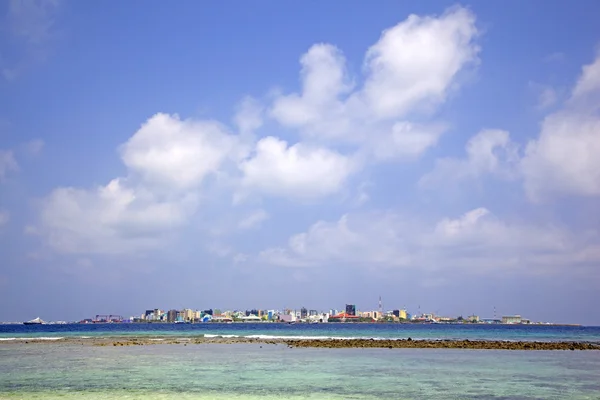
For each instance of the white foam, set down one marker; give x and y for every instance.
(290, 337)
(222, 336)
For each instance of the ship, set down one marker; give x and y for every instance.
(36, 321)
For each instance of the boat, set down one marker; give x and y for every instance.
(36, 321)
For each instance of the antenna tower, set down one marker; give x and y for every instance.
(380, 306)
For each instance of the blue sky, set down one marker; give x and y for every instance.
(444, 156)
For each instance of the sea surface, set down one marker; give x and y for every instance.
(63, 370)
(326, 330)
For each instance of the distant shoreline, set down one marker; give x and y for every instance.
(304, 323)
(314, 343)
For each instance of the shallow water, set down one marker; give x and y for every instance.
(248, 371)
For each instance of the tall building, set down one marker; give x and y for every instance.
(172, 315)
(153, 315)
(188, 314)
(303, 312)
(351, 309)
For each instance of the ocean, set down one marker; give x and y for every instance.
(63, 370)
(275, 330)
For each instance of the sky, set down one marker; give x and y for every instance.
(444, 156)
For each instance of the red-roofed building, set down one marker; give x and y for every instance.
(343, 317)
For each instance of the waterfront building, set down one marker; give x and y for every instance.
(172, 315)
(511, 319)
(303, 313)
(401, 314)
(153, 315)
(351, 309)
(343, 317)
(473, 318)
(188, 314)
(287, 318)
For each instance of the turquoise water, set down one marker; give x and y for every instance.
(249, 371)
(266, 330)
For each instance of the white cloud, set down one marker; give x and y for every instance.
(300, 171)
(168, 159)
(7, 163)
(476, 241)
(564, 160)
(110, 219)
(358, 239)
(34, 147)
(455, 227)
(414, 63)
(4, 217)
(176, 154)
(411, 68)
(589, 81)
(489, 152)
(318, 108)
(254, 219)
(249, 116)
(546, 95)
(406, 140)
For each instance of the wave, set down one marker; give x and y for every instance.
(296, 337)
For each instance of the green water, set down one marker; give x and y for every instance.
(244, 371)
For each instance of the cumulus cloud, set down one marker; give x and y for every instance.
(111, 219)
(491, 151)
(167, 151)
(249, 116)
(167, 160)
(7, 163)
(589, 81)
(253, 220)
(476, 240)
(300, 171)
(564, 160)
(411, 68)
(414, 63)
(546, 95)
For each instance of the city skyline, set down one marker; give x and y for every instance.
(437, 154)
(403, 313)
